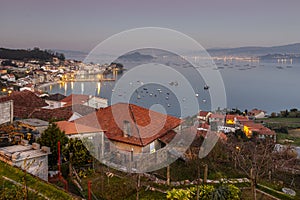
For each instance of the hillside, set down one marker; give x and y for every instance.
(73, 55)
(12, 182)
(256, 51)
(25, 55)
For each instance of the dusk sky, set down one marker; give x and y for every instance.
(81, 25)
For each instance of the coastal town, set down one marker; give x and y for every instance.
(32, 74)
(71, 140)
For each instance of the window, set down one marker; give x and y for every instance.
(152, 147)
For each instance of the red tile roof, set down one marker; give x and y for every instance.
(70, 128)
(203, 113)
(230, 117)
(259, 128)
(24, 102)
(242, 118)
(144, 129)
(75, 99)
(51, 114)
(167, 138)
(25, 98)
(217, 116)
(255, 112)
(63, 113)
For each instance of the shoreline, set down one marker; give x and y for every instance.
(47, 84)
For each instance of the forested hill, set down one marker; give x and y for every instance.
(29, 54)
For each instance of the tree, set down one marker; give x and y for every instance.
(49, 138)
(255, 158)
(80, 154)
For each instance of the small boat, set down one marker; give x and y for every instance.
(206, 87)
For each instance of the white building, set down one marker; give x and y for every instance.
(31, 158)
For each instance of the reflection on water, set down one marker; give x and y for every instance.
(268, 85)
(263, 86)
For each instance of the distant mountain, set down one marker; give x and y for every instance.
(73, 55)
(135, 56)
(256, 51)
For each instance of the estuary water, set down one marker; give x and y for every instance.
(268, 85)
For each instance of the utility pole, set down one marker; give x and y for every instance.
(138, 184)
(168, 175)
(252, 184)
(89, 190)
(205, 173)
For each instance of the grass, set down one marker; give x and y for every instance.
(42, 187)
(247, 195)
(11, 191)
(290, 123)
(274, 192)
(282, 137)
(280, 120)
(148, 195)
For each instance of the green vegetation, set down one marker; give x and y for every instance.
(287, 128)
(275, 193)
(25, 55)
(10, 191)
(50, 138)
(206, 192)
(247, 195)
(80, 155)
(283, 138)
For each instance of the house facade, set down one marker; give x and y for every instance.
(129, 128)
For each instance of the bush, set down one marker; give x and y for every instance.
(206, 192)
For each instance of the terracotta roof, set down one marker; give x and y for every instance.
(82, 109)
(242, 118)
(75, 99)
(259, 128)
(217, 116)
(55, 97)
(70, 128)
(51, 114)
(230, 117)
(203, 113)
(143, 129)
(167, 138)
(22, 112)
(25, 98)
(24, 102)
(63, 113)
(255, 111)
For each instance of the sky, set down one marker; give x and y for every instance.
(82, 24)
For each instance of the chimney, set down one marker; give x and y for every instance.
(126, 128)
(35, 146)
(46, 149)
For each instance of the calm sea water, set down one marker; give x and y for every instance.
(268, 85)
